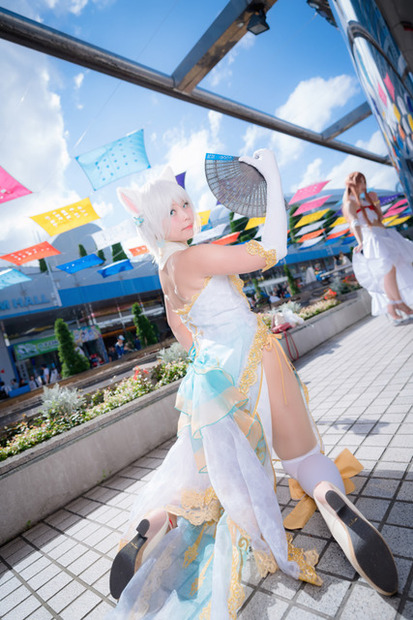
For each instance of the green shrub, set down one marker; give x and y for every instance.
(72, 361)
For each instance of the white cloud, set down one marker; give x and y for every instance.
(32, 145)
(103, 208)
(186, 152)
(310, 105)
(78, 80)
(377, 175)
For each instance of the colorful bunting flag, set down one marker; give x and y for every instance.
(114, 234)
(312, 204)
(180, 179)
(34, 252)
(339, 233)
(140, 249)
(115, 160)
(306, 192)
(114, 268)
(309, 228)
(12, 276)
(254, 222)
(91, 260)
(213, 233)
(399, 220)
(384, 200)
(386, 220)
(399, 203)
(311, 235)
(394, 211)
(310, 242)
(311, 217)
(60, 220)
(338, 222)
(227, 239)
(204, 215)
(10, 188)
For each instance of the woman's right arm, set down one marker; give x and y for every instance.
(181, 333)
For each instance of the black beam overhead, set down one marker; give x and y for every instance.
(227, 29)
(31, 34)
(349, 120)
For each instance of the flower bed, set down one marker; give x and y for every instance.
(65, 408)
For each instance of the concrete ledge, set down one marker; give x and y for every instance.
(323, 326)
(44, 478)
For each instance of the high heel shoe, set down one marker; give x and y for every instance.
(133, 555)
(363, 545)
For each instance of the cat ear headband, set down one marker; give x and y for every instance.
(132, 199)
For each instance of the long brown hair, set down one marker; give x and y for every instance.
(351, 182)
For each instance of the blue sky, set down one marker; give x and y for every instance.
(51, 110)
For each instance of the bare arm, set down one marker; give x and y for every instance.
(350, 213)
(181, 333)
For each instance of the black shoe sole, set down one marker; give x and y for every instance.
(123, 567)
(373, 558)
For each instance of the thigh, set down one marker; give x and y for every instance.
(292, 430)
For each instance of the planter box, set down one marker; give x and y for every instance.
(325, 325)
(40, 480)
(44, 478)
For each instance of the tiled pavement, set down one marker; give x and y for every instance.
(361, 395)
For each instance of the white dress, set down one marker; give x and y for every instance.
(218, 476)
(383, 248)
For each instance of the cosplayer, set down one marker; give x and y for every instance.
(382, 260)
(212, 502)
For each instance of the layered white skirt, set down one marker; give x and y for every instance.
(384, 248)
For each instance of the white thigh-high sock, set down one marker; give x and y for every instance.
(312, 468)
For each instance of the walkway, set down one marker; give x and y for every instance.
(361, 394)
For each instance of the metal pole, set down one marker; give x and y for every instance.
(28, 33)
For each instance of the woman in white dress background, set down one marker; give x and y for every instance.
(382, 260)
(212, 502)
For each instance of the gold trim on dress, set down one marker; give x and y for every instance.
(254, 248)
(197, 507)
(249, 376)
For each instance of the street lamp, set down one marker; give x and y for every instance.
(257, 23)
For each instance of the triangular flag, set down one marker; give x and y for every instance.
(311, 217)
(312, 204)
(114, 268)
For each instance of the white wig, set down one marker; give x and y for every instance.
(151, 206)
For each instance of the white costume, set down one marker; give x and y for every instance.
(218, 477)
(382, 248)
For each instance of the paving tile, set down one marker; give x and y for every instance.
(40, 614)
(326, 598)
(54, 585)
(401, 514)
(264, 606)
(373, 509)
(13, 599)
(96, 571)
(298, 613)
(43, 577)
(406, 491)
(389, 469)
(399, 539)
(83, 562)
(335, 562)
(9, 586)
(41, 534)
(75, 552)
(379, 487)
(102, 585)
(24, 610)
(66, 596)
(369, 453)
(81, 607)
(366, 603)
(100, 612)
(402, 455)
(35, 568)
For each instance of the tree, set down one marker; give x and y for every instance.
(82, 251)
(144, 328)
(291, 282)
(101, 255)
(118, 253)
(240, 224)
(42, 265)
(72, 361)
(292, 221)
